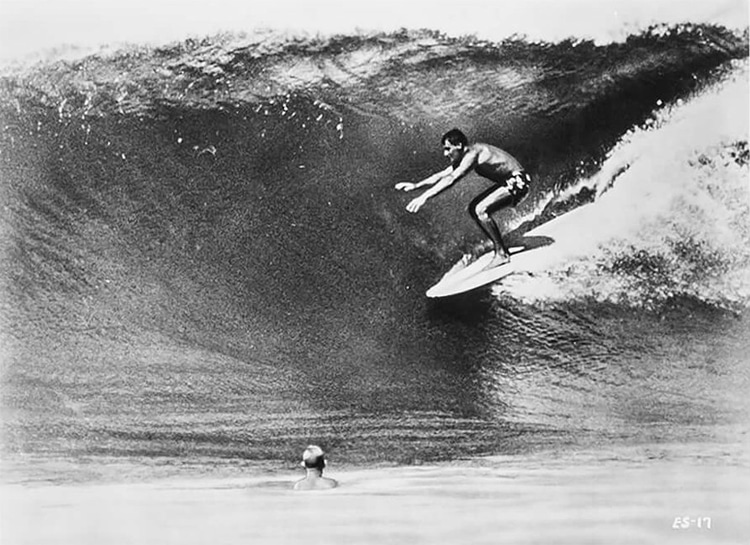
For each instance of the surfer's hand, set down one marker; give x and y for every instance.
(416, 204)
(406, 186)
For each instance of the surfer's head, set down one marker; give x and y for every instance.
(313, 458)
(454, 145)
(455, 137)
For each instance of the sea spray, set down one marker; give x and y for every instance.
(670, 211)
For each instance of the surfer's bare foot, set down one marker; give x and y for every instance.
(466, 260)
(499, 259)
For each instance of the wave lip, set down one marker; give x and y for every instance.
(597, 21)
(232, 70)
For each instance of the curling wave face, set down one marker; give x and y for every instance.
(203, 253)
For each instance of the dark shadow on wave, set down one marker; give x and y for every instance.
(527, 243)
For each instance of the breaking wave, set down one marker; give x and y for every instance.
(202, 250)
(669, 212)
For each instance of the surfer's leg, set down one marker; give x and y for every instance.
(481, 208)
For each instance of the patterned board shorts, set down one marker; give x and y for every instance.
(518, 183)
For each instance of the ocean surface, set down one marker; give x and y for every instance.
(204, 260)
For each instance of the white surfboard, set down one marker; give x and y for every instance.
(461, 279)
(561, 240)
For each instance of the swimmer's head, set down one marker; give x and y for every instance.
(313, 458)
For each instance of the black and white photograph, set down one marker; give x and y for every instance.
(376, 272)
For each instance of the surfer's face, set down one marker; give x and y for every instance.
(454, 152)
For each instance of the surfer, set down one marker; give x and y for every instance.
(497, 165)
(313, 460)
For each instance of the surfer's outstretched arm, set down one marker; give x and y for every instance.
(445, 181)
(432, 180)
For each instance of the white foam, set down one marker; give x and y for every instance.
(679, 198)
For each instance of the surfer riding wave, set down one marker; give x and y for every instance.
(512, 184)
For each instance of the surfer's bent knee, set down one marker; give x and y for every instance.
(498, 198)
(481, 213)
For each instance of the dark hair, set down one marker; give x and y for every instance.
(318, 462)
(455, 137)
(314, 457)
